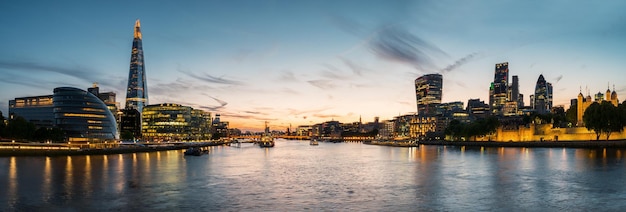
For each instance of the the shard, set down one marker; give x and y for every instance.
(137, 91)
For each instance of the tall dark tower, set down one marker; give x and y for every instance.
(543, 95)
(137, 92)
(500, 87)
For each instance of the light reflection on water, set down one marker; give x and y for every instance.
(343, 176)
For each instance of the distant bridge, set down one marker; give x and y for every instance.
(299, 137)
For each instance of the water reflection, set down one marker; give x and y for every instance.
(295, 176)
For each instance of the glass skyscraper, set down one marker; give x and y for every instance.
(428, 92)
(137, 92)
(543, 96)
(500, 87)
(83, 116)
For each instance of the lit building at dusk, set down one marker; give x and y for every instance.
(543, 96)
(499, 91)
(137, 91)
(81, 115)
(35, 109)
(428, 92)
(477, 109)
(584, 102)
(174, 122)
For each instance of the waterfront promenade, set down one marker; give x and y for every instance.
(37, 149)
(544, 144)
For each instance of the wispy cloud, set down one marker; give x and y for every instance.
(347, 24)
(557, 79)
(322, 84)
(459, 62)
(78, 72)
(211, 79)
(397, 44)
(325, 116)
(356, 69)
(221, 105)
(287, 76)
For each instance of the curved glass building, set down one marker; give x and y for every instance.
(83, 116)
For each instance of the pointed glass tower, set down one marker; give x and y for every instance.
(137, 92)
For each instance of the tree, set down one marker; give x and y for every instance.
(455, 129)
(485, 126)
(19, 128)
(604, 118)
(2, 125)
(571, 115)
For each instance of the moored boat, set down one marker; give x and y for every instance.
(196, 151)
(313, 142)
(267, 140)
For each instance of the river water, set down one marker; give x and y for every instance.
(294, 176)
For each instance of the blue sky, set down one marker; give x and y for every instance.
(305, 62)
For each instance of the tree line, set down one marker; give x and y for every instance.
(20, 129)
(459, 130)
(605, 118)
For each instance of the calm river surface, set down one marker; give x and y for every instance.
(294, 176)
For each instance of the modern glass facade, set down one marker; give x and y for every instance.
(543, 96)
(500, 87)
(137, 91)
(428, 92)
(174, 122)
(36, 109)
(83, 116)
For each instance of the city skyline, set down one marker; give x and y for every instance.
(301, 63)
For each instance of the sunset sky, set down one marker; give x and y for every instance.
(305, 62)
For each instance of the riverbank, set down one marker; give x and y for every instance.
(391, 143)
(27, 150)
(544, 144)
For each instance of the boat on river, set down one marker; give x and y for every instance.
(196, 151)
(267, 140)
(314, 142)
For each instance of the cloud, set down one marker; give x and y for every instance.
(325, 116)
(557, 79)
(221, 105)
(211, 79)
(290, 91)
(77, 72)
(347, 24)
(322, 84)
(397, 44)
(9, 78)
(332, 72)
(356, 69)
(287, 76)
(459, 62)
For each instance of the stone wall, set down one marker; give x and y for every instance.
(545, 132)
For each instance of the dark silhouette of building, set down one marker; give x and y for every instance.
(130, 124)
(499, 89)
(137, 91)
(428, 92)
(543, 96)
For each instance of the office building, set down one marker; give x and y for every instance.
(173, 122)
(137, 91)
(543, 96)
(80, 114)
(83, 116)
(499, 91)
(36, 109)
(428, 92)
